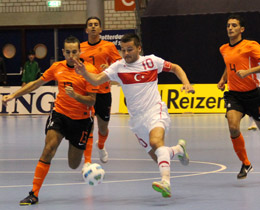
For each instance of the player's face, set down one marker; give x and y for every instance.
(93, 27)
(234, 30)
(71, 51)
(130, 52)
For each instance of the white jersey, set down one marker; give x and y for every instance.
(138, 81)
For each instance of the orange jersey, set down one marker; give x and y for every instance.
(242, 56)
(67, 76)
(104, 52)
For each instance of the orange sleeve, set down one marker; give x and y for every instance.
(49, 74)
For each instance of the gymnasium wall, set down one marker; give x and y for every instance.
(29, 24)
(36, 12)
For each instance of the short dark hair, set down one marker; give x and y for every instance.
(31, 52)
(237, 17)
(93, 17)
(72, 39)
(131, 37)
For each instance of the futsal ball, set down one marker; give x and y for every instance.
(93, 174)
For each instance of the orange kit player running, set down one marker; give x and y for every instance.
(101, 54)
(71, 117)
(241, 57)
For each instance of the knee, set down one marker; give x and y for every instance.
(73, 165)
(234, 131)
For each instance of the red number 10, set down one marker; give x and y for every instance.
(148, 63)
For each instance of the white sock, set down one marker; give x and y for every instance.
(175, 150)
(163, 159)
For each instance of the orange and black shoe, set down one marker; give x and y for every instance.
(31, 199)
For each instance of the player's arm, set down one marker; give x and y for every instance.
(244, 73)
(31, 86)
(179, 72)
(88, 100)
(94, 79)
(222, 81)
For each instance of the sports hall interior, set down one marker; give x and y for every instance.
(187, 32)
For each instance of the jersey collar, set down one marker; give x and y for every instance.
(235, 43)
(94, 43)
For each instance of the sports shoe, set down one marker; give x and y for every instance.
(244, 171)
(252, 127)
(162, 187)
(31, 199)
(85, 166)
(103, 155)
(183, 158)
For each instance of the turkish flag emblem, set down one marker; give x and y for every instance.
(124, 5)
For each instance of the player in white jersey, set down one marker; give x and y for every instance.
(138, 76)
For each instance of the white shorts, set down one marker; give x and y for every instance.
(141, 125)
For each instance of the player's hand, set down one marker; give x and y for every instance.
(104, 66)
(70, 91)
(242, 73)
(79, 67)
(6, 98)
(188, 89)
(221, 86)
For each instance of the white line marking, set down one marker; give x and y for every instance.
(222, 167)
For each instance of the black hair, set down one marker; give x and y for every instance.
(93, 17)
(131, 37)
(237, 17)
(72, 39)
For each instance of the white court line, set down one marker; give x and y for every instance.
(222, 167)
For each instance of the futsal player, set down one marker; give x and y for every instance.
(242, 57)
(149, 118)
(71, 117)
(101, 54)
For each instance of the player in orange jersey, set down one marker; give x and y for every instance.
(71, 117)
(101, 54)
(241, 58)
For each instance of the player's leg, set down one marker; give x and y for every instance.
(52, 141)
(102, 110)
(88, 150)
(234, 117)
(163, 159)
(74, 156)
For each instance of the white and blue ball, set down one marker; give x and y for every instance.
(93, 174)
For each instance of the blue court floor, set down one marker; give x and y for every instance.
(208, 183)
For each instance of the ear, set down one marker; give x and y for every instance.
(63, 52)
(242, 29)
(139, 49)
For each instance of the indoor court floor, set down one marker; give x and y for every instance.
(208, 183)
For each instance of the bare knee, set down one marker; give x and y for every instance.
(234, 131)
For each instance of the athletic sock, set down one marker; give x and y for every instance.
(88, 150)
(102, 140)
(163, 160)
(240, 149)
(40, 173)
(175, 150)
